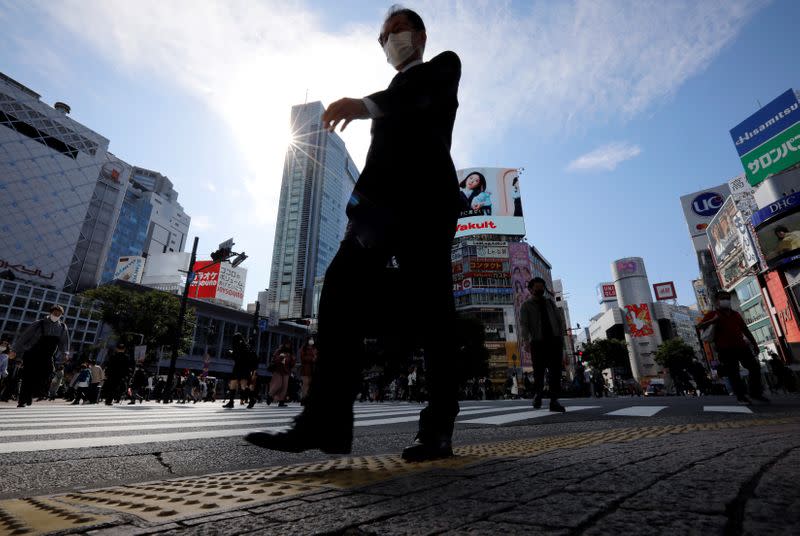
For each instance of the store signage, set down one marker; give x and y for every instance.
(775, 117)
(707, 204)
(665, 291)
(774, 156)
(784, 204)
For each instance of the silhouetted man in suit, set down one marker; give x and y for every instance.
(405, 205)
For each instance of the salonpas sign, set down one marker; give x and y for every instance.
(769, 140)
(777, 154)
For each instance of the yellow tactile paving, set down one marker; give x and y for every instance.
(171, 500)
(29, 517)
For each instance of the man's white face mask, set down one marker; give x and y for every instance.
(54, 318)
(724, 304)
(399, 47)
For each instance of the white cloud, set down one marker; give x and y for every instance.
(605, 158)
(552, 67)
(211, 187)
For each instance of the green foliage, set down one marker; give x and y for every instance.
(153, 314)
(606, 353)
(675, 355)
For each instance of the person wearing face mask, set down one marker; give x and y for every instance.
(412, 126)
(542, 329)
(734, 344)
(38, 345)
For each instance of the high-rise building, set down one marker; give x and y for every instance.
(95, 238)
(151, 221)
(318, 179)
(52, 195)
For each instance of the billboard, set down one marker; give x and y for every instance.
(219, 282)
(130, 269)
(606, 292)
(230, 288)
(700, 207)
(701, 295)
(769, 140)
(491, 202)
(784, 311)
(665, 291)
(639, 320)
(731, 245)
(778, 230)
(520, 266)
(743, 195)
(204, 284)
(766, 123)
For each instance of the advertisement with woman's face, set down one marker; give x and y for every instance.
(779, 239)
(491, 202)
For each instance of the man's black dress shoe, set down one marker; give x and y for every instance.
(303, 437)
(420, 451)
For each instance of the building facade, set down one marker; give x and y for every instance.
(22, 303)
(150, 220)
(490, 274)
(50, 167)
(318, 179)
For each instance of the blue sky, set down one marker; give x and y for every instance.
(615, 109)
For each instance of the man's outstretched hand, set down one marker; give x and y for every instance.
(343, 110)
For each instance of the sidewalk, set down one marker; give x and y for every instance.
(732, 477)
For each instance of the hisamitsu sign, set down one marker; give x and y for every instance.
(775, 117)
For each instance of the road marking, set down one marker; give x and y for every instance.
(637, 411)
(728, 409)
(534, 414)
(141, 427)
(113, 441)
(411, 418)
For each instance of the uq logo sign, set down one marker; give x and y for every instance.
(707, 204)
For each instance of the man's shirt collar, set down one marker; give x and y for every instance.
(411, 65)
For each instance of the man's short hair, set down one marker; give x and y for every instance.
(56, 307)
(781, 229)
(722, 294)
(535, 280)
(413, 17)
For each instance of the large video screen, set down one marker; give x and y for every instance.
(780, 240)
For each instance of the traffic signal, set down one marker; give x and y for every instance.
(220, 255)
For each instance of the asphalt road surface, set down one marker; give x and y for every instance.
(54, 447)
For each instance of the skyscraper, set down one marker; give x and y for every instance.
(49, 170)
(318, 179)
(150, 219)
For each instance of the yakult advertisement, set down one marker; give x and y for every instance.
(491, 202)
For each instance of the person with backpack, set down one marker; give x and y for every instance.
(39, 344)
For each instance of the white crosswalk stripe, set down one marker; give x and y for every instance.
(531, 414)
(55, 427)
(728, 409)
(637, 411)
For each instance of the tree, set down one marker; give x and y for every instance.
(606, 353)
(678, 357)
(150, 316)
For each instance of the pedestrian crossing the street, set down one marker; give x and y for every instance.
(55, 427)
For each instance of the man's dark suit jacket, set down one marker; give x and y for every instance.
(409, 177)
